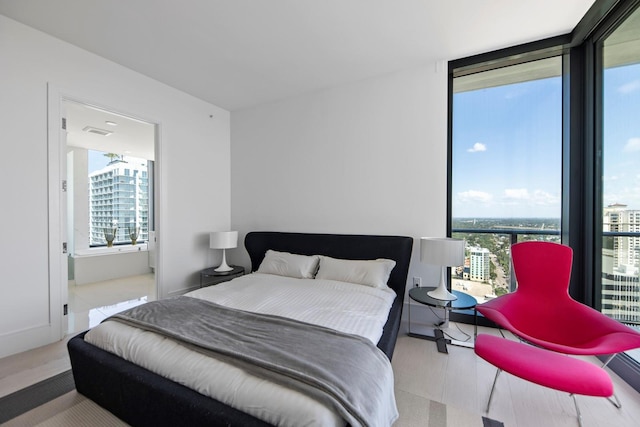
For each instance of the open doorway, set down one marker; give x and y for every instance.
(110, 217)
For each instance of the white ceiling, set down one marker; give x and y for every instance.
(240, 53)
(129, 137)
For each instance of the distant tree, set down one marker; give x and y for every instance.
(500, 291)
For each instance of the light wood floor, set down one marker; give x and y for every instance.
(421, 374)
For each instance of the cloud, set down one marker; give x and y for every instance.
(475, 197)
(478, 146)
(633, 144)
(516, 193)
(513, 196)
(629, 87)
(542, 198)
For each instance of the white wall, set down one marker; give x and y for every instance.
(194, 167)
(364, 158)
(114, 265)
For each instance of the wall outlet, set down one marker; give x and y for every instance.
(417, 281)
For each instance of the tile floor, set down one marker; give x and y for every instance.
(91, 303)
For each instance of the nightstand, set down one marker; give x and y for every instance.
(209, 276)
(464, 301)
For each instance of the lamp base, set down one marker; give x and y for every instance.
(224, 267)
(442, 293)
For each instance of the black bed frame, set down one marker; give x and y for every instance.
(142, 398)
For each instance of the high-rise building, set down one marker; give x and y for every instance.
(119, 197)
(618, 218)
(479, 270)
(620, 262)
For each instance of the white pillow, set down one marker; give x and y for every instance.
(374, 273)
(290, 265)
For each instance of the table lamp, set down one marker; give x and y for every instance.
(223, 240)
(445, 252)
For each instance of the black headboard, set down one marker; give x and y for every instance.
(345, 246)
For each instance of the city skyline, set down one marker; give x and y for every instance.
(118, 199)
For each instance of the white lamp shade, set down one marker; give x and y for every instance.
(442, 251)
(223, 239)
(445, 252)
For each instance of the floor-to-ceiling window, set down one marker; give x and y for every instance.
(506, 167)
(619, 138)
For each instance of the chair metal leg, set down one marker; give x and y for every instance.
(493, 387)
(575, 402)
(615, 401)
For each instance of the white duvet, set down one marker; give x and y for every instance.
(350, 308)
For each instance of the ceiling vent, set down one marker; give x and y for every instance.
(97, 131)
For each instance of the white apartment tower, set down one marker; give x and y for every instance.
(620, 262)
(119, 196)
(618, 218)
(479, 264)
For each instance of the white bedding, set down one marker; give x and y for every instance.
(350, 308)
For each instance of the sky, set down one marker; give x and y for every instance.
(97, 160)
(621, 153)
(507, 150)
(507, 147)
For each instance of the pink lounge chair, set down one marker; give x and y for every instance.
(542, 312)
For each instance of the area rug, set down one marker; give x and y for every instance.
(35, 395)
(55, 403)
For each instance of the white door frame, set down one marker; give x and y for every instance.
(56, 144)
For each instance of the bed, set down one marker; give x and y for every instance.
(141, 397)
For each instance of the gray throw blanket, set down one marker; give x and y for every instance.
(343, 370)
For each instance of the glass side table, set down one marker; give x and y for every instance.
(464, 302)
